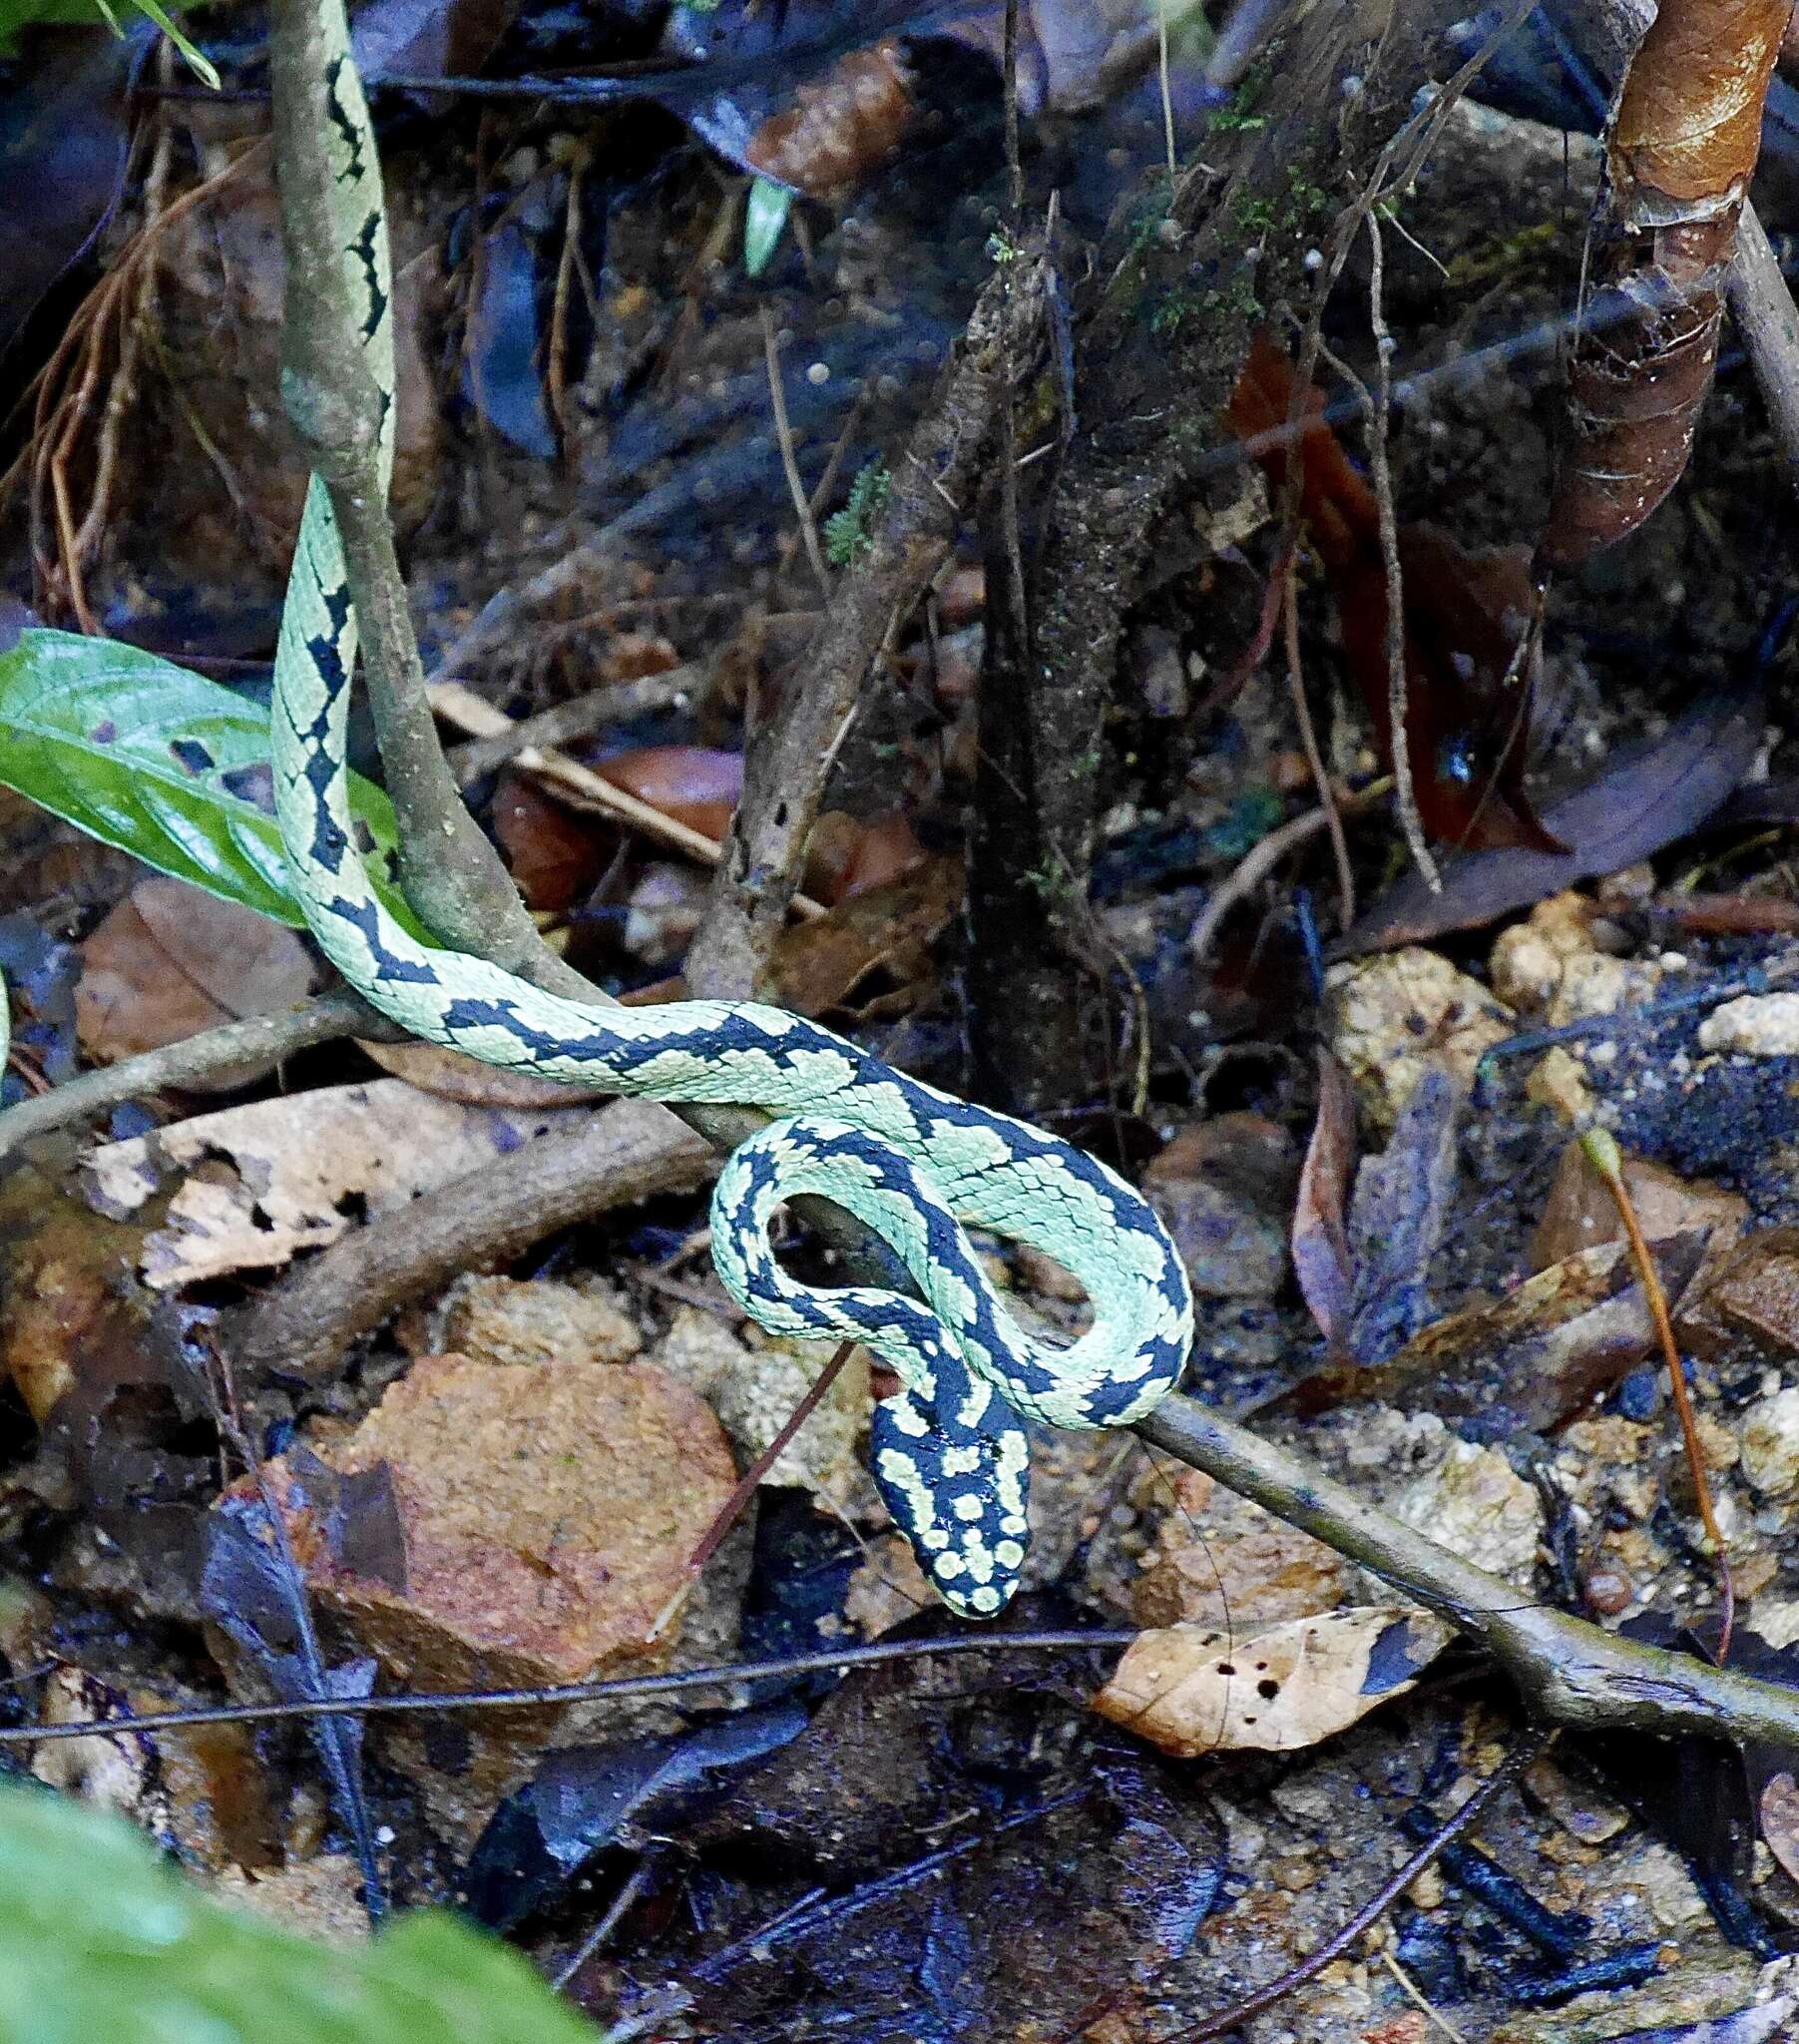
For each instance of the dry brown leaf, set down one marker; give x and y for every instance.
(1192, 1690)
(1319, 1242)
(1780, 1820)
(280, 1175)
(171, 961)
(820, 966)
(452, 1076)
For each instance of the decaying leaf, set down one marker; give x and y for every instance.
(1192, 1691)
(171, 960)
(1467, 716)
(1397, 1219)
(1779, 1814)
(1523, 1362)
(279, 1176)
(1319, 1243)
(1678, 161)
(821, 965)
(1650, 793)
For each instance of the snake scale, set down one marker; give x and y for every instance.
(917, 1165)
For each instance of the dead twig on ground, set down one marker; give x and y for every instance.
(583, 787)
(1603, 1152)
(579, 717)
(783, 433)
(1287, 572)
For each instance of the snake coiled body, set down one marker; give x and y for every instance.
(917, 1165)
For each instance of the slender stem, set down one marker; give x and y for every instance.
(1600, 1147)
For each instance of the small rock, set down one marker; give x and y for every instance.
(1755, 1026)
(319, 1899)
(1390, 1018)
(1478, 1506)
(1580, 1212)
(502, 1319)
(1771, 1445)
(1225, 1188)
(548, 1514)
(1581, 1811)
(1528, 960)
(1224, 1562)
(754, 1384)
(1748, 1307)
(1557, 965)
(1559, 1082)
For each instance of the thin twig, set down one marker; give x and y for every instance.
(1288, 573)
(783, 432)
(751, 1480)
(1405, 795)
(1262, 859)
(1603, 1152)
(585, 788)
(829, 1660)
(579, 717)
(1762, 306)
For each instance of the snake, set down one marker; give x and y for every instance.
(919, 1168)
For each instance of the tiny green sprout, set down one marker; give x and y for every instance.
(846, 532)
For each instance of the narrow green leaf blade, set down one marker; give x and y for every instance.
(164, 765)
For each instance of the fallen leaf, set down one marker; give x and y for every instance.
(1319, 1243)
(1522, 1364)
(695, 784)
(1192, 1690)
(1780, 1820)
(554, 856)
(280, 1175)
(1580, 1212)
(171, 961)
(820, 966)
(1396, 1218)
(1646, 795)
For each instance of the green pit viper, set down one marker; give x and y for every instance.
(915, 1164)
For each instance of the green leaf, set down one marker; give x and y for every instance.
(101, 1939)
(18, 14)
(764, 218)
(165, 764)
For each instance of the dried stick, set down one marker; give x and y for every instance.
(583, 787)
(1405, 797)
(579, 717)
(1603, 1152)
(258, 1039)
(783, 433)
(1288, 573)
(1762, 306)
